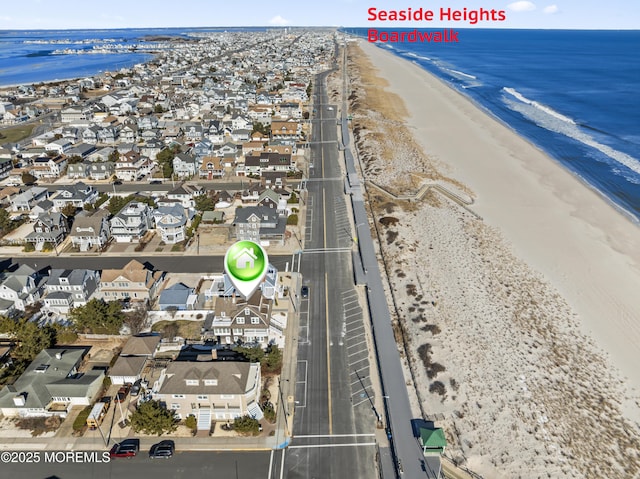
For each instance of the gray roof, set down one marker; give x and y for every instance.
(264, 213)
(48, 376)
(175, 294)
(232, 377)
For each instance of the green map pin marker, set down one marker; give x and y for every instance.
(246, 265)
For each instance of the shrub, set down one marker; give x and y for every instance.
(247, 425)
(292, 220)
(81, 419)
(29, 248)
(191, 422)
(269, 413)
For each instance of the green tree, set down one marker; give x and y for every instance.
(253, 353)
(165, 160)
(114, 156)
(158, 108)
(152, 418)
(31, 338)
(292, 219)
(98, 317)
(204, 203)
(191, 422)
(72, 160)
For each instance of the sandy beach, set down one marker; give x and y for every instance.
(520, 317)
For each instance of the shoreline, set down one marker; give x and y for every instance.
(611, 219)
(519, 328)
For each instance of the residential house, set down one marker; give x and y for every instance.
(171, 222)
(259, 224)
(131, 223)
(214, 390)
(184, 165)
(49, 228)
(29, 198)
(90, 232)
(47, 167)
(6, 165)
(20, 287)
(51, 385)
(101, 170)
(135, 353)
(77, 114)
(186, 194)
(211, 168)
(69, 288)
(77, 170)
(78, 194)
(59, 147)
(134, 281)
(177, 297)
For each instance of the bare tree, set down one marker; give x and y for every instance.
(137, 320)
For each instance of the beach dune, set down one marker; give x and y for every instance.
(523, 327)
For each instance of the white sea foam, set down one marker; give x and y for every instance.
(550, 119)
(411, 54)
(462, 74)
(540, 106)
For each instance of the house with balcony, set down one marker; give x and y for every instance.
(20, 287)
(78, 194)
(211, 168)
(171, 222)
(51, 385)
(25, 201)
(184, 165)
(211, 390)
(134, 282)
(259, 224)
(89, 232)
(131, 223)
(48, 228)
(69, 288)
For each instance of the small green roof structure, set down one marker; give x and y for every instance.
(432, 441)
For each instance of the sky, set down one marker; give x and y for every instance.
(82, 14)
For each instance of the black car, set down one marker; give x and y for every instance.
(162, 450)
(155, 182)
(304, 291)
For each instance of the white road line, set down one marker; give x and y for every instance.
(357, 344)
(357, 352)
(270, 464)
(282, 464)
(363, 401)
(334, 445)
(359, 360)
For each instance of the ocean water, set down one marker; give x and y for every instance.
(574, 94)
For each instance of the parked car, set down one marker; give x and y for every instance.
(304, 291)
(127, 448)
(122, 393)
(135, 389)
(162, 450)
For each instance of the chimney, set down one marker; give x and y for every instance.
(233, 298)
(59, 355)
(214, 354)
(19, 400)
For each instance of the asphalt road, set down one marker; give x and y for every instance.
(171, 264)
(334, 425)
(192, 465)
